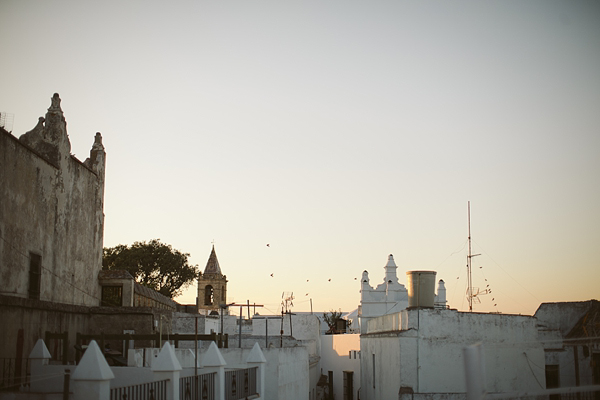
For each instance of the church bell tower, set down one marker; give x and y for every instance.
(212, 287)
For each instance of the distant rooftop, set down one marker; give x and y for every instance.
(114, 274)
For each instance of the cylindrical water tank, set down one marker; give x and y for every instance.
(421, 289)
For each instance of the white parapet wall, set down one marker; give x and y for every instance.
(421, 351)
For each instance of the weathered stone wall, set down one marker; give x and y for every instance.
(51, 204)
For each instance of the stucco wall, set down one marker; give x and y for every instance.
(574, 358)
(286, 374)
(427, 354)
(54, 211)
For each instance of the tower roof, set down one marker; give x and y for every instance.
(212, 265)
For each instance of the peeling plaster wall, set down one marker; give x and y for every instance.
(55, 211)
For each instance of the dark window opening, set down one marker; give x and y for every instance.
(552, 380)
(208, 295)
(112, 296)
(374, 371)
(35, 275)
(348, 385)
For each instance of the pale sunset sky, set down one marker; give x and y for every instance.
(337, 132)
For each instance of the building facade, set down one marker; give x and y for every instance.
(418, 354)
(51, 233)
(51, 214)
(570, 334)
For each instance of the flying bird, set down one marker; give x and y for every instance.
(329, 280)
(268, 245)
(271, 275)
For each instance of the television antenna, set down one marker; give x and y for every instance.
(287, 302)
(6, 121)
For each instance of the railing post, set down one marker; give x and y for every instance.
(166, 366)
(256, 358)
(66, 384)
(39, 357)
(213, 361)
(91, 378)
(65, 347)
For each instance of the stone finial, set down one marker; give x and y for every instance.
(55, 103)
(166, 360)
(93, 365)
(98, 142)
(213, 357)
(40, 351)
(365, 277)
(256, 355)
(391, 263)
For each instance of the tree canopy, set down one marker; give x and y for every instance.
(153, 264)
(332, 319)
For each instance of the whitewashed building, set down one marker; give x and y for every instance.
(388, 297)
(418, 354)
(570, 334)
(340, 362)
(411, 344)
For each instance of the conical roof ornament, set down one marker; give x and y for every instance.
(212, 266)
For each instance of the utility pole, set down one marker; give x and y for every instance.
(241, 305)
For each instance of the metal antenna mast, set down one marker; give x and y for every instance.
(470, 294)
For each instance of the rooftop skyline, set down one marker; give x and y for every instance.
(335, 133)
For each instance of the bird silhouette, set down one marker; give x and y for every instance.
(268, 245)
(271, 275)
(329, 280)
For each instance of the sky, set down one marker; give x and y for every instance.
(337, 133)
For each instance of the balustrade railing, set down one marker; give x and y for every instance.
(240, 383)
(197, 387)
(146, 391)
